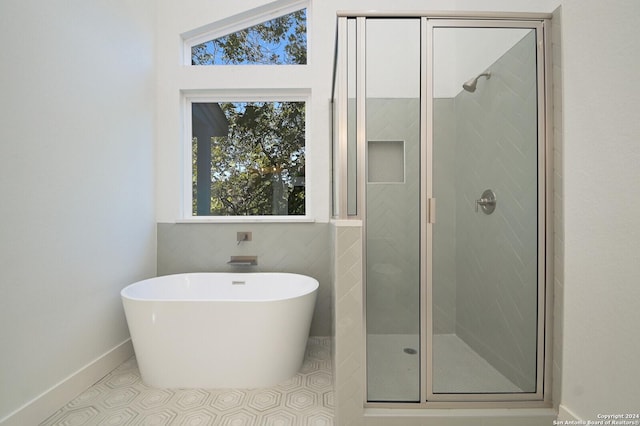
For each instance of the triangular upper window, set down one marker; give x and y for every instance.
(278, 41)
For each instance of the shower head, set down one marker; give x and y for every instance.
(470, 85)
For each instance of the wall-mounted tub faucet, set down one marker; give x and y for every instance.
(243, 261)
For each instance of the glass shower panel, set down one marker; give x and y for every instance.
(393, 209)
(485, 165)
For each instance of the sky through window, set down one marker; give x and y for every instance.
(279, 41)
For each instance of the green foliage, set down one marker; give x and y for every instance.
(194, 175)
(259, 168)
(282, 40)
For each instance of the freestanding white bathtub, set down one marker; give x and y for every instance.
(219, 330)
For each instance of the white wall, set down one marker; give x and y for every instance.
(601, 348)
(76, 183)
(393, 59)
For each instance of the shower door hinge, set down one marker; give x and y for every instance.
(431, 207)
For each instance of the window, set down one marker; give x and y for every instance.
(248, 157)
(245, 149)
(279, 41)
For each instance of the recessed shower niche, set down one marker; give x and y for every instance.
(455, 282)
(385, 162)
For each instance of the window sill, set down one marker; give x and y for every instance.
(247, 219)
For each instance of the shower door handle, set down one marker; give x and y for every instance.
(431, 213)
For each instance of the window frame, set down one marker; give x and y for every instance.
(240, 22)
(222, 96)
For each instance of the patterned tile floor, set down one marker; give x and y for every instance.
(121, 398)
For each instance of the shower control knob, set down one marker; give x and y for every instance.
(487, 202)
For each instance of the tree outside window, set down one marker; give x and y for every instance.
(250, 160)
(280, 41)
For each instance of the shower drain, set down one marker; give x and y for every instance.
(410, 351)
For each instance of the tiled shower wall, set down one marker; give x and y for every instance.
(302, 248)
(393, 214)
(444, 234)
(393, 222)
(348, 362)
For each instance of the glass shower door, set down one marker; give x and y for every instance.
(392, 209)
(486, 174)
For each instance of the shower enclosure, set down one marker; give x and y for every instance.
(441, 149)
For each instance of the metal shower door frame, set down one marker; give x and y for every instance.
(542, 25)
(545, 238)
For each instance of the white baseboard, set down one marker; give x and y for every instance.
(456, 417)
(44, 405)
(565, 414)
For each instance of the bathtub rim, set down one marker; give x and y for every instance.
(314, 288)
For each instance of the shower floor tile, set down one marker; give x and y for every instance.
(458, 368)
(393, 374)
(121, 398)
